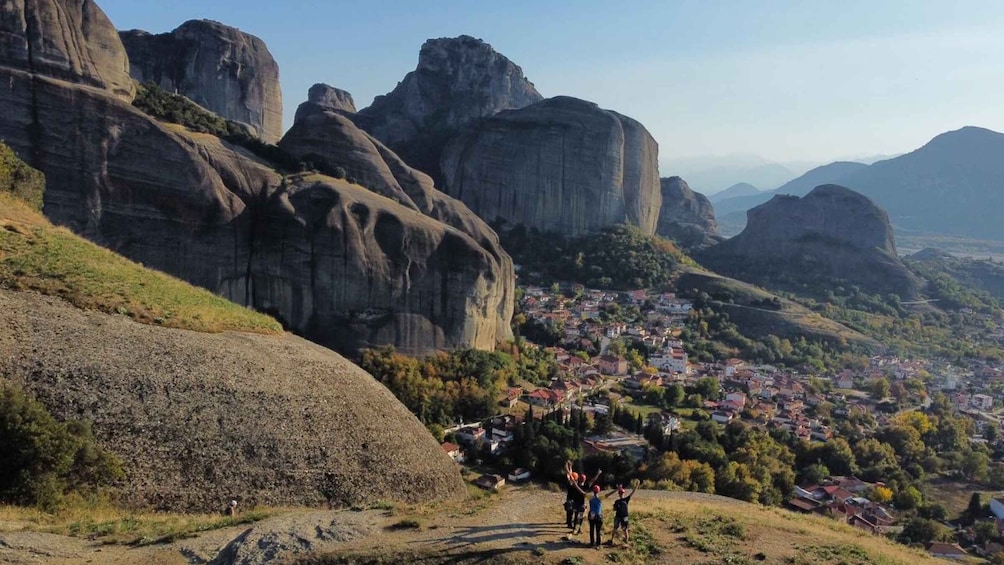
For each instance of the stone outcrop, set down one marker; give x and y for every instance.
(562, 165)
(457, 81)
(334, 261)
(200, 419)
(72, 41)
(686, 217)
(832, 234)
(221, 68)
(322, 98)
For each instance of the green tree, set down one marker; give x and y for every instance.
(908, 498)
(602, 424)
(974, 465)
(43, 458)
(17, 178)
(674, 395)
(975, 509)
(879, 388)
(922, 531)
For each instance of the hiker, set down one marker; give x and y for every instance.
(572, 479)
(579, 487)
(231, 508)
(595, 518)
(621, 511)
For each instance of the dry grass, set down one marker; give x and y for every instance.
(99, 520)
(954, 495)
(711, 530)
(34, 255)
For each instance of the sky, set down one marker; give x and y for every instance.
(800, 81)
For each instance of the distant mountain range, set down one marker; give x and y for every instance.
(735, 191)
(710, 175)
(951, 185)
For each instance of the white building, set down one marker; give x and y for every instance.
(982, 401)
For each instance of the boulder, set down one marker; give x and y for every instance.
(457, 81)
(221, 68)
(200, 419)
(322, 97)
(562, 164)
(686, 217)
(72, 41)
(832, 234)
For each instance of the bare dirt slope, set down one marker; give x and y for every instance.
(519, 525)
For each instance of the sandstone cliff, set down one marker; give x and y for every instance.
(562, 165)
(218, 67)
(85, 50)
(334, 261)
(198, 419)
(833, 235)
(686, 217)
(457, 80)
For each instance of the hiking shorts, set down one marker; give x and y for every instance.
(620, 522)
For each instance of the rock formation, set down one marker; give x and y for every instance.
(686, 217)
(322, 97)
(221, 68)
(334, 261)
(86, 50)
(562, 165)
(457, 81)
(199, 419)
(832, 234)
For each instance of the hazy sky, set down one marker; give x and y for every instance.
(788, 80)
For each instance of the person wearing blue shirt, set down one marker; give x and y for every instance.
(595, 518)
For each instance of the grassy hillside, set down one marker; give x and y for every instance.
(35, 255)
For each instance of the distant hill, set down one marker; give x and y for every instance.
(954, 184)
(734, 191)
(825, 174)
(709, 175)
(833, 233)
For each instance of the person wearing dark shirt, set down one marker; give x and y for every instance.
(577, 490)
(570, 495)
(621, 512)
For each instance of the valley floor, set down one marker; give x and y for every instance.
(518, 525)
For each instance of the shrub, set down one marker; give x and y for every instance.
(44, 458)
(17, 178)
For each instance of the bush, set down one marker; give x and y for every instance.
(44, 458)
(17, 178)
(174, 108)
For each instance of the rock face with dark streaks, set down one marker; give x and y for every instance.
(85, 50)
(831, 234)
(563, 165)
(686, 217)
(335, 262)
(457, 81)
(221, 68)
